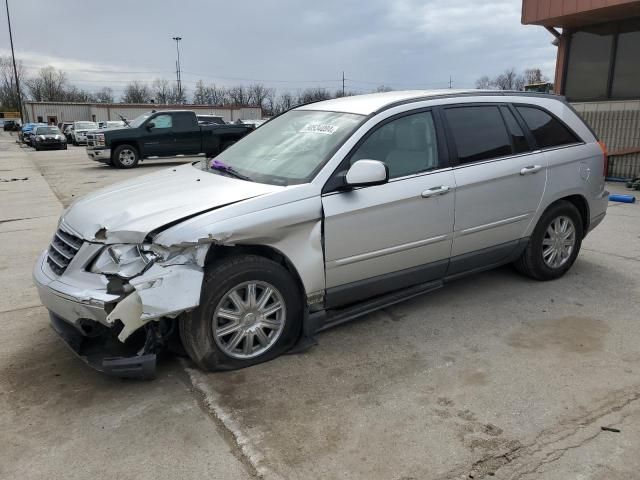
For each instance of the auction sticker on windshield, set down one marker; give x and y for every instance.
(319, 128)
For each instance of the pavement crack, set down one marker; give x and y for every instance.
(8, 220)
(541, 451)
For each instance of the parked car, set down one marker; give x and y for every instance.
(11, 126)
(325, 213)
(79, 132)
(62, 126)
(26, 135)
(162, 134)
(48, 138)
(111, 124)
(68, 131)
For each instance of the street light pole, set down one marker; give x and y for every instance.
(13, 57)
(178, 74)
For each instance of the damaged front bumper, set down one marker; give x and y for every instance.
(118, 333)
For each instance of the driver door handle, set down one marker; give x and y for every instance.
(530, 169)
(432, 192)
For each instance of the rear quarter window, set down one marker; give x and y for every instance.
(547, 131)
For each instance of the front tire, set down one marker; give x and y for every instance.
(554, 244)
(125, 156)
(250, 312)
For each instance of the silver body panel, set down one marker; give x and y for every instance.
(368, 233)
(330, 240)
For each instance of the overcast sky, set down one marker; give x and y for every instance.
(286, 44)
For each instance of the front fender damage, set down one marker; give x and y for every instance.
(162, 291)
(150, 304)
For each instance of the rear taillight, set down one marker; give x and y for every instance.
(605, 160)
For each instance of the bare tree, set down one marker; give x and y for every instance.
(384, 88)
(49, 85)
(75, 94)
(200, 94)
(484, 83)
(509, 80)
(104, 95)
(284, 102)
(534, 75)
(238, 95)
(257, 94)
(137, 92)
(315, 94)
(161, 90)
(8, 90)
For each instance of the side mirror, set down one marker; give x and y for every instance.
(367, 172)
(150, 125)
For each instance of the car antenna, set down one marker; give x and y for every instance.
(124, 120)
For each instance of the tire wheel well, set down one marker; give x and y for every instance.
(131, 144)
(583, 207)
(217, 252)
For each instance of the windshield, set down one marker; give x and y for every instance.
(291, 148)
(47, 131)
(139, 120)
(85, 125)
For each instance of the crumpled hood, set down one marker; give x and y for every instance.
(127, 211)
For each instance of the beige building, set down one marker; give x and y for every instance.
(54, 112)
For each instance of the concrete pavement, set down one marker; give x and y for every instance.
(57, 417)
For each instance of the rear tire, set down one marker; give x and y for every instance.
(125, 156)
(554, 244)
(227, 284)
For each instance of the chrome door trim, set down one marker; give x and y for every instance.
(499, 223)
(386, 251)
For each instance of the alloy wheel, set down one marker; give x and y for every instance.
(249, 319)
(558, 242)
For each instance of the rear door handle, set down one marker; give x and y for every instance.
(530, 169)
(432, 192)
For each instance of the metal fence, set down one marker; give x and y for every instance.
(617, 123)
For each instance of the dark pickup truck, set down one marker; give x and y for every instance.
(161, 134)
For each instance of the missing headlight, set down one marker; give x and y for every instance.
(123, 260)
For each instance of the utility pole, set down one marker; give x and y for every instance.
(178, 73)
(343, 83)
(15, 69)
(450, 82)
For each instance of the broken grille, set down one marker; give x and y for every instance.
(63, 248)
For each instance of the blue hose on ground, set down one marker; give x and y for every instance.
(617, 179)
(615, 197)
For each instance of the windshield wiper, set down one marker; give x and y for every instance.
(223, 167)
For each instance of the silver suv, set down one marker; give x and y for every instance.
(325, 213)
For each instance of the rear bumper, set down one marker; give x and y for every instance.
(99, 154)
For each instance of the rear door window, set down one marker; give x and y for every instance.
(547, 131)
(184, 122)
(518, 139)
(479, 133)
